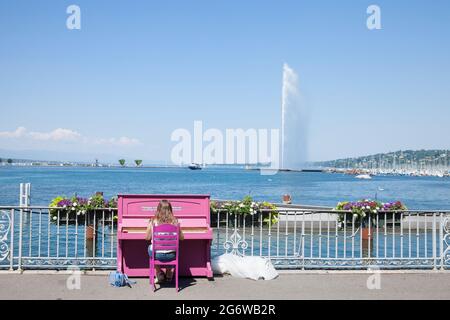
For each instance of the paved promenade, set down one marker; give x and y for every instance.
(305, 285)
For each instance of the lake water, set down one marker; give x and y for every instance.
(322, 189)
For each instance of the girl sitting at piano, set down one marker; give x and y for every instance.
(164, 215)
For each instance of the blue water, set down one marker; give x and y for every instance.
(305, 188)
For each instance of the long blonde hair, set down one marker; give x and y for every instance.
(164, 213)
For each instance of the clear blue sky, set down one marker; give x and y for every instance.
(137, 70)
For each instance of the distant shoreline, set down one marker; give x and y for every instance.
(155, 167)
(441, 173)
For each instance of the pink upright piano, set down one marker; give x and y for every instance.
(192, 212)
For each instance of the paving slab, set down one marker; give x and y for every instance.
(325, 285)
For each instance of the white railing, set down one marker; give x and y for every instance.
(54, 238)
(306, 239)
(49, 238)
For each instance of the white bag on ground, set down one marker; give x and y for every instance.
(244, 267)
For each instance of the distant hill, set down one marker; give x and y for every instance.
(392, 159)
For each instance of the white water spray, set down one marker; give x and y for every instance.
(293, 122)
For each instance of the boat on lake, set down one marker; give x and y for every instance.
(195, 166)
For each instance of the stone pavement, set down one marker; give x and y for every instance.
(289, 285)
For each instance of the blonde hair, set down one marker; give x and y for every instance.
(164, 213)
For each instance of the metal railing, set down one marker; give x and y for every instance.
(326, 239)
(56, 238)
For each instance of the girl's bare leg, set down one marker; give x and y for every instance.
(159, 273)
(169, 274)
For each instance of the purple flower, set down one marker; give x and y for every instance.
(64, 202)
(82, 201)
(390, 206)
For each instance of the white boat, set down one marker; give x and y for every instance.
(195, 166)
(363, 176)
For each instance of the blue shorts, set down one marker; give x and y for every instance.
(162, 256)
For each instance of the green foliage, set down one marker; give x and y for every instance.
(122, 162)
(54, 204)
(9, 161)
(138, 162)
(273, 212)
(112, 203)
(96, 201)
(247, 207)
(55, 201)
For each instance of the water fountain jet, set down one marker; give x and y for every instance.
(293, 123)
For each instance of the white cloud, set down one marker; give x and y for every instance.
(59, 134)
(62, 134)
(125, 141)
(122, 141)
(19, 132)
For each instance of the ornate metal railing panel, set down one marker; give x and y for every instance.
(56, 238)
(325, 239)
(5, 240)
(445, 228)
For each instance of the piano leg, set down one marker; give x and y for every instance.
(119, 256)
(209, 272)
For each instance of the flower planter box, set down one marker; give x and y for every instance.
(81, 211)
(367, 213)
(238, 220)
(72, 218)
(383, 219)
